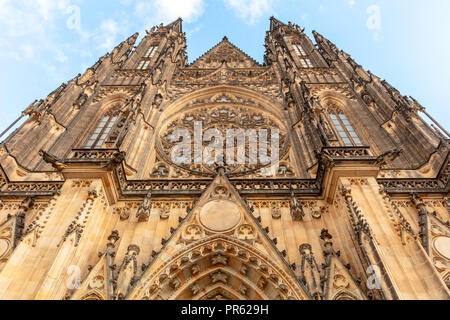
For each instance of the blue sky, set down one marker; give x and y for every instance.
(44, 43)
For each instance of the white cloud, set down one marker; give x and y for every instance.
(251, 10)
(169, 10)
(108, 32)
(24, 17)
(189, 10)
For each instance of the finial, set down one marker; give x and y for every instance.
(225, 38)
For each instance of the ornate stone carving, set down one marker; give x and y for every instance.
(143, 213)
(310, 271)
(164, 212)
(276, 212)
(206, 241)
(219, 277)
(221, 117)
(400, 223)
(246, 232)
(35, 228)
(195, 289)
(79, 223)
(219, 259)
(297, 212)
(125, 213)
(193, 233)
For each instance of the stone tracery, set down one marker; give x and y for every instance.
(223, 115)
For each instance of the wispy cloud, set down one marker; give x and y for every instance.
(251, 10)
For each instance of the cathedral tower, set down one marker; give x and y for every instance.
(94, 206)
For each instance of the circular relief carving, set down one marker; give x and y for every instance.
(4, 247)
(442, 245)
(220, 215)
(222, 192)
(220, 118)
(340, 282)
(97, 282)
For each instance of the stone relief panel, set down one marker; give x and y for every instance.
(221, 116)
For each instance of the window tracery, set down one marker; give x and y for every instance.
(338, 127)
(146, 59)
(304, 59)
(107, 130)
(224, 115)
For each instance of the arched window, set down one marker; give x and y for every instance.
(145, 61)
(347, 135)
(338, 128)
(151, 52)
(304, 58)
(299, 50)
(101, 132)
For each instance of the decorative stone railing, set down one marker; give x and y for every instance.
(348, 153)
(92, 154)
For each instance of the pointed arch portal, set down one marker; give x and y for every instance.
(220, 267)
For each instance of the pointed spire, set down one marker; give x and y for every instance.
(327, 48)
(122, 51)
(177, 25)
(310, 271)
(275, 23)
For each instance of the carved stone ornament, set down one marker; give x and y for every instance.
(276, 212)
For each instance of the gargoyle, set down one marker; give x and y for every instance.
(325, 159)
(117, 159)
(56, 163)
(388, 157)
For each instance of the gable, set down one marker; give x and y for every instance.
(224, 51)
(220, 249)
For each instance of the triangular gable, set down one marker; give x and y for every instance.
(340, 284)
(95, 286)
(227, 52)
(219, 247)
(98, 284)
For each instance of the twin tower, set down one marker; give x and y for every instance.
(93, 207)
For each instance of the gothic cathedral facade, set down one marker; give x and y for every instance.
(93, 207)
